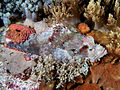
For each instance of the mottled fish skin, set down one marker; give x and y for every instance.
(59, 37)
(15, 46)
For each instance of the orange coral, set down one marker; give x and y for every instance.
(83, 28)
(18, 33)
(106, 76)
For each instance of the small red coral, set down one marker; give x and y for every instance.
(83, 28)
(19, 33)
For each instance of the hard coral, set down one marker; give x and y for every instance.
(18, 33)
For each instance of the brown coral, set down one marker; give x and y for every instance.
(58, 11)
(105, 13)
(66, 10)
(18, 33)
(106, 76)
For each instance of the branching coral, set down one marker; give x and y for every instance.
(44, 68)
(104, 13)
(47, 69)
(59, 11)
(69, 10)
(68, 71)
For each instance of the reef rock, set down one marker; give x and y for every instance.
(14, 61)
(29, 22)
(41, 27)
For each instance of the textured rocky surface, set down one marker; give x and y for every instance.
(15, 61)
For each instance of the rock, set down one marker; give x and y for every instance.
(29, 23)
(40, 27)
(14, 60)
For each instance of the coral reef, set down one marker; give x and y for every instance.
(60, 44)
(57, 10)
(60, 53)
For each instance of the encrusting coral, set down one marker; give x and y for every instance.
(105, 76)
(18, 33)
(14, 60)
